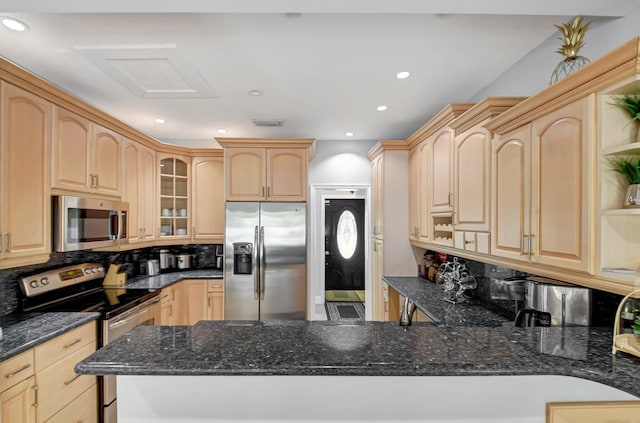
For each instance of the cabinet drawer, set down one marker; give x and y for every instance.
(83, 409)
(65, 344)
(59, 384)
(215, 285)
(16, 369)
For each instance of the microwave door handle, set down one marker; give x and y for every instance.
(114, 225)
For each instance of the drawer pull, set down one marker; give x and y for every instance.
(73, 343)
(69, 382)
(12, 374)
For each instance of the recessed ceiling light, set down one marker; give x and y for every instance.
(222, 131)
(381, 108)
(255, 93)
(14, 24)
(402, 75)
(159, 120)
(349, 133)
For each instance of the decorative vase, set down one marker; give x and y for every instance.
(566, 67)
(632, 196)
(572, 41)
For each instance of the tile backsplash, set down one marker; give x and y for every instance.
(10, 295)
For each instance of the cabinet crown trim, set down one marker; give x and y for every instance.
(615, 66)
(439, 121)
(488, 108)
(386, 145)
(266, 142)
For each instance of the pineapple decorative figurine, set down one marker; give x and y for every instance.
(572, 41)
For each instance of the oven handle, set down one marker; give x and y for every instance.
(125, 318)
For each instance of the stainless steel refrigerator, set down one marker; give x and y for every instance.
(265, 263)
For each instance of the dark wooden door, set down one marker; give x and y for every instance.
(344, 244)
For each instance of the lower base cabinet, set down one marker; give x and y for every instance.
(17, 402)
(191, 300)
(41, 386)
(82, 409)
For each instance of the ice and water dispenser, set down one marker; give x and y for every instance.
(242, 258)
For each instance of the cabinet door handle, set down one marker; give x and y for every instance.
(194, 231)
(1, 242)
(69, 382)
(97, 181)
(263, 190)
(522, 244)
(76, 341)
(268, 191)
(9, 242)
(529, 247)
(21, 369)
(35, 396)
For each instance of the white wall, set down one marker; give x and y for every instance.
(531, 74)
(336, 165)
(341, 162)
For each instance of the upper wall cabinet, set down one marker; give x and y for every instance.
(25, 206)
(542, 189)
(208, 198)
(86, 156)
(139, 182)
(174, 209)
(265, 169)
(431, 179)
(471, 173)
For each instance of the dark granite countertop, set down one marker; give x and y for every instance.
(165, 279)
(364, 348)
(428, 298)
(31, 331)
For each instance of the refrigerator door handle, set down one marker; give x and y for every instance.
(255, 268)
(262, 265)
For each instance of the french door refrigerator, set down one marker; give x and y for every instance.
(265, 261)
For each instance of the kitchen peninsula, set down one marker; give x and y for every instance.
(191, 372)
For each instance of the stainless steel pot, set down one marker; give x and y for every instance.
(183, 261)
(165, 259)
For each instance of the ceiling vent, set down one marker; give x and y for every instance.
(273, 123)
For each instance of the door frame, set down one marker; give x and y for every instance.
(318, 194)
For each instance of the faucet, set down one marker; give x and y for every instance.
(408, 308)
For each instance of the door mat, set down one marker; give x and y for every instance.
(344, 311)
(344, 295)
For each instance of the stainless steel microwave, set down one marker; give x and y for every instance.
(81, 223)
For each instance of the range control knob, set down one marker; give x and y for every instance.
(94, 269)
(44, 281)
(33, 283)
(87, 271)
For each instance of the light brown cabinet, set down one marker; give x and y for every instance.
(194, 301)
(86, 156)
(17, 403)
(175, 188)
(18, 398)
(377, 196)
(215, 299)
(58, 384)
(266, 174)
(171, 305)
(191, 300)
(208, 198)
(419, 188)
(379, 309)
(139, 190)
(40, 384)
(442, 147)
(25, 205)
(541, 187)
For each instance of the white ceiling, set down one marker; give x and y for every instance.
(323, 66)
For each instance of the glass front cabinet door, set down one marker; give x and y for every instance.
(174, 196)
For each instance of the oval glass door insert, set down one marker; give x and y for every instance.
(346, 234)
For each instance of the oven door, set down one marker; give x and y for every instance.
(147, 313)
